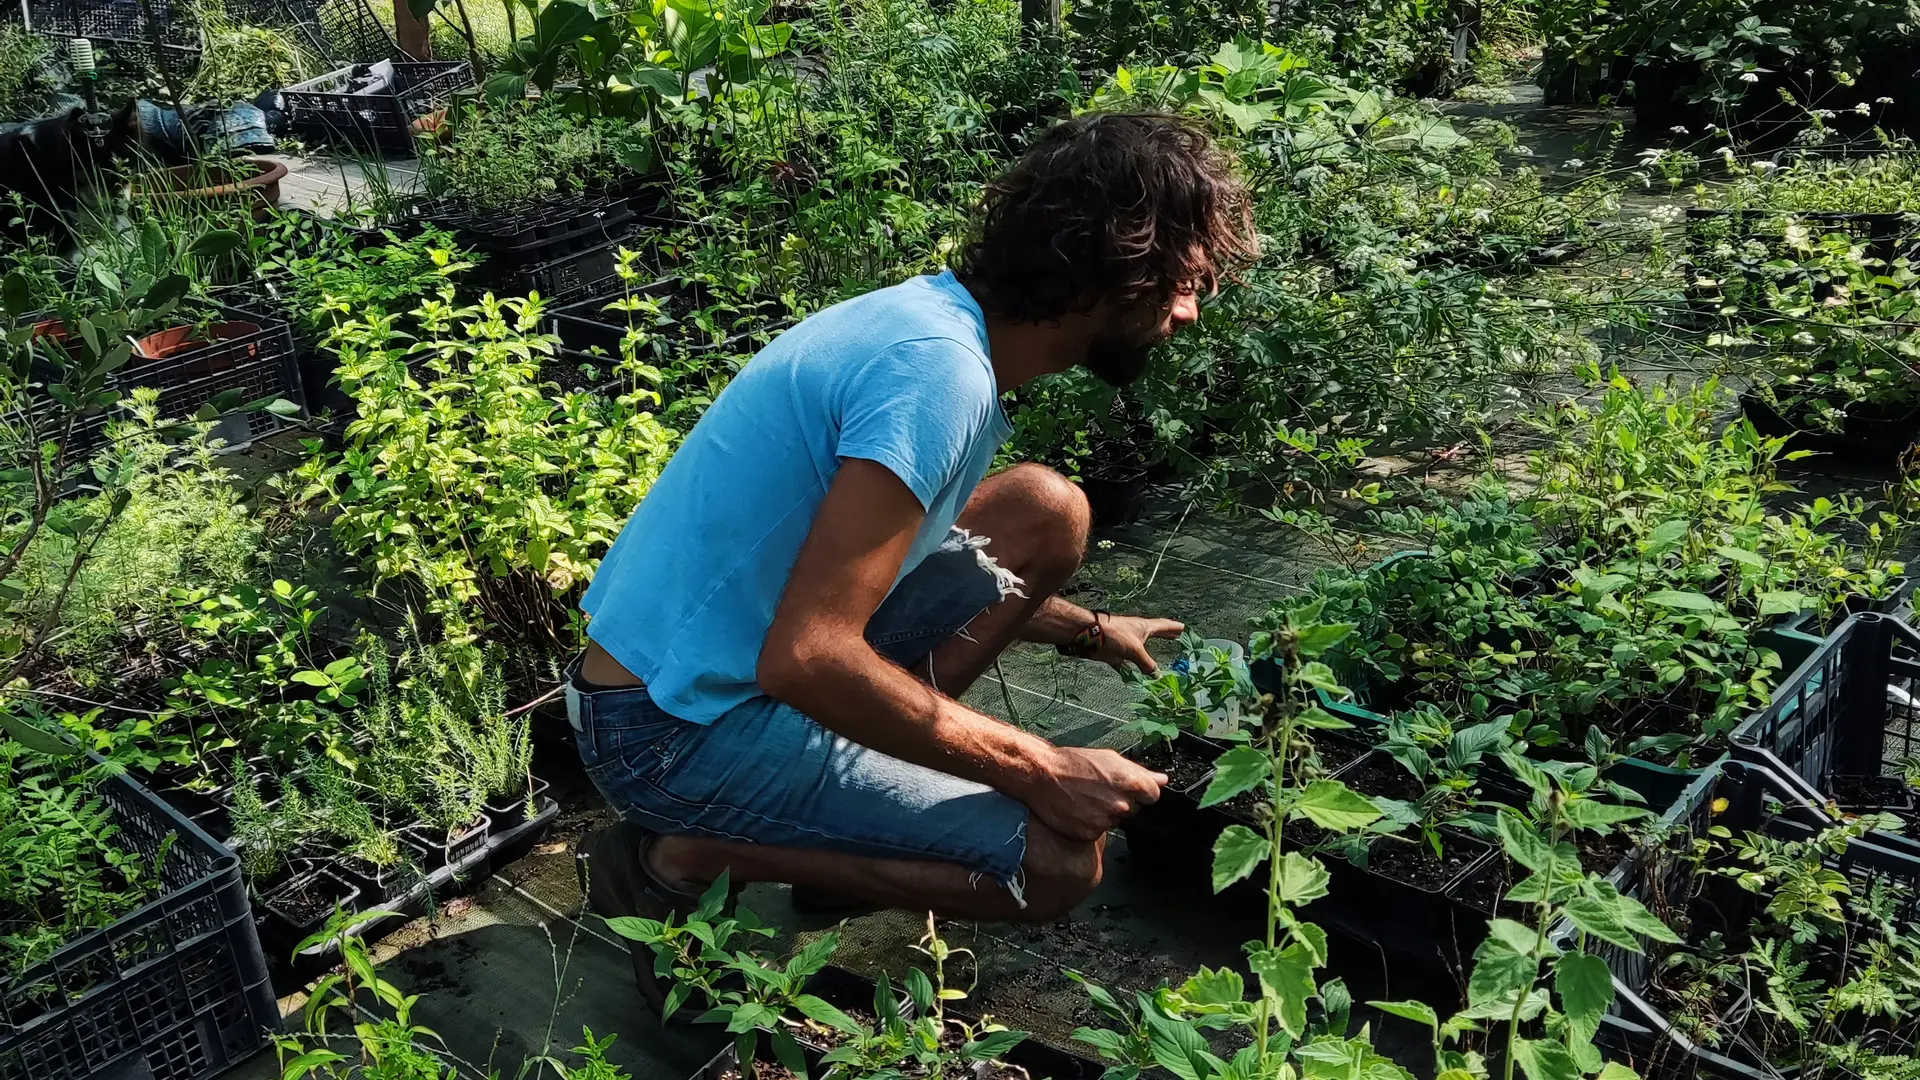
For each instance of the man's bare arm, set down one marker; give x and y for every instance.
(1058, 620)
(817, 659)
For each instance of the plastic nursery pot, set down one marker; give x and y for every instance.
(1898, 591)
(1864, 438)
(308, 899)
(440, 849)
(381, 885)
(54, 333)
(1118, 498)
(179, 340)
(253, 178)
(508, 812)
(1224, 721)
(1856, 794)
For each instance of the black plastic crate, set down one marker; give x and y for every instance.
(564, 278)
(258, 365)
(178, 987)
(339, 31)
(350, 33)
(1741, 796)
(128, 39)
(590, 333)
(1850, 709)
(535, 233)
(326, 108)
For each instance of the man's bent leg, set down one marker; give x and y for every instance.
(1056, 875)
(1036, 522)
(779, 797)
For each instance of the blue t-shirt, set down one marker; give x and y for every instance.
(899, 376)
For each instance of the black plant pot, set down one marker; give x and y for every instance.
(1117, 498)
(511, 813)
(1865, 438)
(295, 910)
(439, 849)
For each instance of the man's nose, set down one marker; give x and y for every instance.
(1186, 309)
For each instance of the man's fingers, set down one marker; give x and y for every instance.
(1151, 793)
(1143, 659)
(1165, 628)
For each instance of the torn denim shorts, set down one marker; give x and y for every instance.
(765, 773)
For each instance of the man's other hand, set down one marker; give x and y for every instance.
(1124, 641)
(1086, 792)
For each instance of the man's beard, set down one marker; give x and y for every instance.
(1116, 359)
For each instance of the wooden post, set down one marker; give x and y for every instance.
(410, 33)
(1040, 14)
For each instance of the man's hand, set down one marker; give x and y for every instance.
(1083, 793)
(1124, 641)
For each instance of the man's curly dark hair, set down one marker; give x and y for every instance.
(1119, 207)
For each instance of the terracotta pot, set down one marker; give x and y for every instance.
(57, 333)
(179, 339)
(263, 185)
(433, 127)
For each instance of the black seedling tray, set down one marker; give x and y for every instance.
(417, 894)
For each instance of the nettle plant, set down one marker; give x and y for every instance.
(1549, 997)
(469, 476)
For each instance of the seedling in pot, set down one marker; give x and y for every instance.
(1446, 760)
(930, 1041)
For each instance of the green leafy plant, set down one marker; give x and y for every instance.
(468, 476)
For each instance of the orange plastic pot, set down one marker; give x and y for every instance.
(207, 182)
(181, 339)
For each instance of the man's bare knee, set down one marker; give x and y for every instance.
(1038, 510)
(1060, 873)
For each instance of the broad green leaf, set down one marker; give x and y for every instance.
(1215, 986)
(1523, 845)
(1335, 807)
(37, 739)
(1178, 1047)
(1742, 556)
(1302, 880)
(1594, 814)
(1111, 1044)
(1682, 600)
(634, 928)
(1286, 976)
(992, 1045)
(214, 243)
(1667, 535)
(1239, 770)
(1236, 851)
(1585, 987)
(920, 989)
(1318, 676)
(1784, 603)
(825, 1012)
(1601, 919)
(1545, 1059)
(1417, 1011)
(1318, 638)
(1502, 966)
